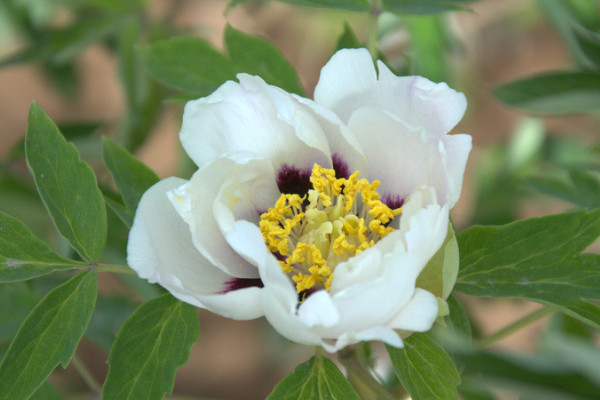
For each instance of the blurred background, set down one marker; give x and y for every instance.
(76, 59)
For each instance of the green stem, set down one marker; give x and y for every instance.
(514, 327)
(119, 269)
(87, 376)
(373, 29)
(362, 380)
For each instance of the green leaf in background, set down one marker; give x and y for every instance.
(316, 379)
(425, 6)
(535, 259)
(131, 176)
(424, 368)
(555, 92)
(458, 319)
(67, 186)
(352, 5)
(429, 42)
(257, 56)
(24, 256)
(152, 344)
(16, 302)
(579, 187)
(536, 377)
(48, 337)
(108, 317)
(186, 63)
(348, 39)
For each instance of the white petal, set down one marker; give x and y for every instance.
(252, 116)
(227, 189)
(318, 309)
(346, 76)
(458, 148)
(349, 82)
(381, 333)
(419, 314)
(397, 155)
(160, 250)
(280, 299)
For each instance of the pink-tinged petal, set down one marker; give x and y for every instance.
(160, 249)
(419, 314)
(349, 82)
(221, 192)
(253, 117)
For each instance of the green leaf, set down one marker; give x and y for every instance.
(16, 302)
(348, 39)
(46, 392)
(429, 42)
(424, 369)
(108, 317)
(257, 56)
(67, 186)
(580, 187)
(458, 319)
(131, 176)
(24, 256)
(538, 377)
(186, 63)
(317, 378)
(425, 6)
(535, 259)
(555, 92)
(152, 344)
(48, 337)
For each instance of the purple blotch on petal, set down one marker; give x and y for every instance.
(241, 283)
(393, 201)
(339, 166)
(293, 180)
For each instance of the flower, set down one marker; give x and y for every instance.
(319, 215)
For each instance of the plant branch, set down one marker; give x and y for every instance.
(86, 375)
(514, 327)
(362, 380)
(119, 269)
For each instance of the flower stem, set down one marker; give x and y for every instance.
(514, 327)
(373, 29)
(362, 380)
(119, 269)
(87, 376)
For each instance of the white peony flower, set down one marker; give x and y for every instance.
(319, 215)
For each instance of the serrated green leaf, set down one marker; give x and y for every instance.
(535, 259)
(186, 63)
(580, 187)
(67, 186)
(555, 92)
(316, 379)
(131, 176)
(424, 368)
(48, 336)
(152, 344)
(257, 56)
(24, 256)
(422, 7)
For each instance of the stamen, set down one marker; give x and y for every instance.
(342, 218)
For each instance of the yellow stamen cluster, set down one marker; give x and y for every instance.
(312, 234)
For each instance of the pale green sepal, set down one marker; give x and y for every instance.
(443, 310)
(439, 275)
